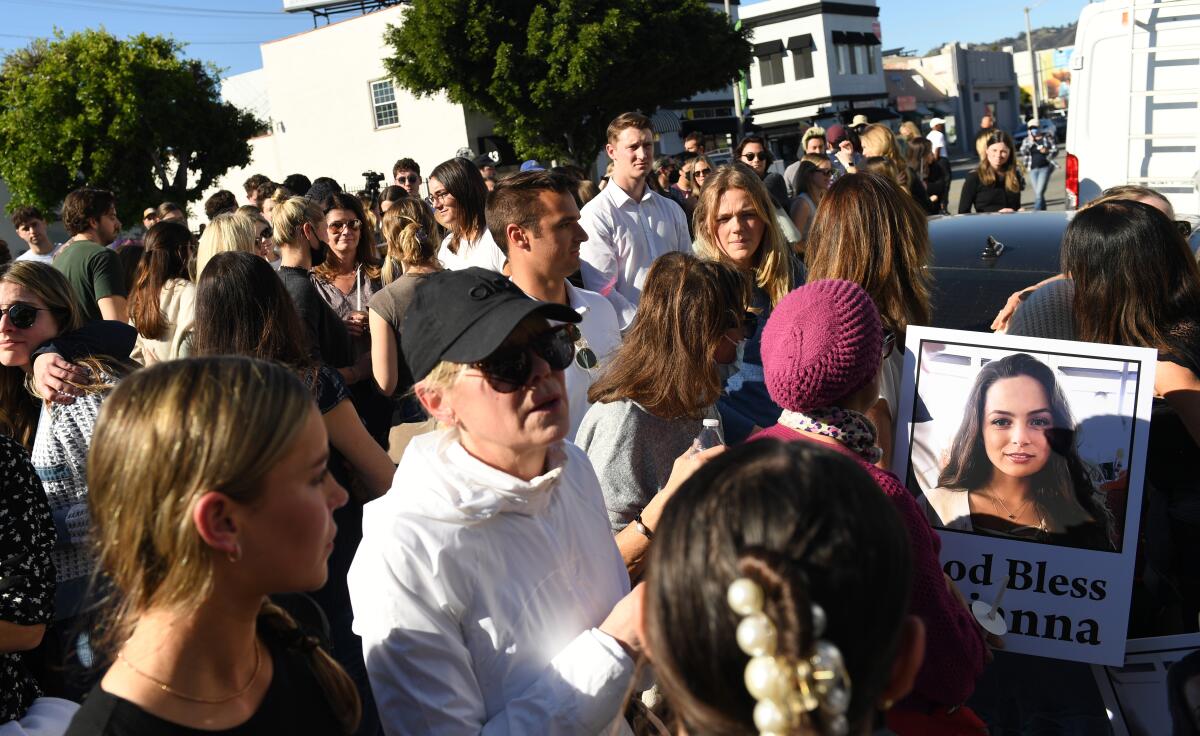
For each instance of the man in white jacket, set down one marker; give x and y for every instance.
(488, 590)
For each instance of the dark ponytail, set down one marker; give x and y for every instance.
(338, 687)
(809, 526)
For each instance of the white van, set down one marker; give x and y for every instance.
(1135, 101)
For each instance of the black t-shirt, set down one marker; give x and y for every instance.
(326, 332)
(293, 704)
(987, 198)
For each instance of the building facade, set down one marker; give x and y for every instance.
(814, 62)
(333, 110)
(960, 85)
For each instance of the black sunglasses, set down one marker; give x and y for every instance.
(509, 367)
(585, 357)
(752, 155)
(748, 321)
(22, 315)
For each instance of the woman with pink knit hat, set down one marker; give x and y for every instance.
(821, 349)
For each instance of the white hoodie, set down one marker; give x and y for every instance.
(477, 594)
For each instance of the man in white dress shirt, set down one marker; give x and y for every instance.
(534, 219)
(628, 224)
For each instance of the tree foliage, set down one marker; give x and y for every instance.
(553, 73)
(132, 116)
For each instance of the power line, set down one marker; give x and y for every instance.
(129, 6)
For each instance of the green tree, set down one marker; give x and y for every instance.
(132, 116)
(553, 73)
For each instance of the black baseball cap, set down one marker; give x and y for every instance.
(463, 316)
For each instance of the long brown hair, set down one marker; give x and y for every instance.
(165, 437)
(1063, 489)
(667, 363)
(773, 259)
(168, 248)
(1136, 282)
(1011, 172)
(364, 253)
(867, 230)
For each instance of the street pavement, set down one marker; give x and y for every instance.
(1056, 194)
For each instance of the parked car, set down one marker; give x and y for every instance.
(979, 260)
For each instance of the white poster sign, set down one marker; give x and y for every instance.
(1028, 456)
(1138, 695)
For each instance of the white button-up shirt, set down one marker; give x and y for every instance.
(624, 238)
(600, 333)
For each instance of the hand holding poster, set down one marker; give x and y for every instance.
(1029, 455)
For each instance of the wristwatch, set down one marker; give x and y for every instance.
(642, 528)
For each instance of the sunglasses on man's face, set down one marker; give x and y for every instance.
(751, 156)
(414, 179)
(509, 367)
(21, 315)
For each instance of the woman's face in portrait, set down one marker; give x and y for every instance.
(1016, 415)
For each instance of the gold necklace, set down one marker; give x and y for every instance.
(999, 503)
(195, 699)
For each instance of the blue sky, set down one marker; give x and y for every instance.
(228, 32)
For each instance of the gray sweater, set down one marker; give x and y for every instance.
(633, 452)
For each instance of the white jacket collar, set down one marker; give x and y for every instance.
(454, 486)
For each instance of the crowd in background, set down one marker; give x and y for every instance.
(381, 462)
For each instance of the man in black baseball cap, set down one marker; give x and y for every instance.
(465, 316)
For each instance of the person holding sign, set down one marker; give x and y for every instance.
(822, 349)
(1014, 469)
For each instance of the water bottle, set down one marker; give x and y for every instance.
(710, 436)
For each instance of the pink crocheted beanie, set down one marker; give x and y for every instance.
(821, 344)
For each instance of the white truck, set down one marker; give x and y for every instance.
(1134, 106)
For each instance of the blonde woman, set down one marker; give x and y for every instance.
(228, 231)
(212, 492)
(412, 245)
(878, 140)
(735, 225)
(400, 252)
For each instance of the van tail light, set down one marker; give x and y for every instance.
(1072, 182)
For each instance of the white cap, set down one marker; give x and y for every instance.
(1034, 123)
(712, 422)
(936, 121)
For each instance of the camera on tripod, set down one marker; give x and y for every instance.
(374, 179)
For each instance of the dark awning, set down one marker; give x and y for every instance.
(768, 48)
(870, 39)
(841, 37)
(712, 126)
(801, 43)
(874, 114)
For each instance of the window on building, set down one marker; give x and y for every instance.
(856, 52)
(770, 62)
(771, 68)
(383, 99)
(843, 59)
(802, 48)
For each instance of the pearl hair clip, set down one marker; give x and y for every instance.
(813, 692)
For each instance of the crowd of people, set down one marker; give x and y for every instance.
(365, 463)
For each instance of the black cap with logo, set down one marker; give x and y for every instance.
(463, 316)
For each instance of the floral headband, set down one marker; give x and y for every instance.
(812, 692)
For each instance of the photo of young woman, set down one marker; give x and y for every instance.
(1013, 468)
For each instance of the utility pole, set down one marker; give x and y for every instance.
(737, 86)
(1033, 68)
